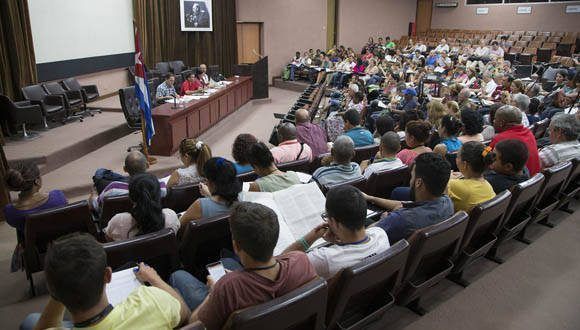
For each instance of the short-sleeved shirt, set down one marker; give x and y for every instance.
(329, 260)
(190, 86)
(559, 152)
(401, 223)
(314, 136)
(336, 173)
(360, 136)
(211, 208)
(241, 169)
(501, 182)
(467, 193)
(407, 156)
(291, 150)
(122, 225)
(15, 217)
(241, 289)
(275, 182)
(382, 165)
(453, 144)
(519, 132)
(164, 90)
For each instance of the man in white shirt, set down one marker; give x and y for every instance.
(346, 211)
(496, 51)
(481, 53)
(205, 80)
(386, 159)
(442, 47)
(488, 86)
(420, 47)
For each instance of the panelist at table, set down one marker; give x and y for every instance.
(191, 84)
(203, 77)
(166, 90)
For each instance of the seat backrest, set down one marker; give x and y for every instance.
(54, 88)
(44, 227)
(162, 67)
(158, 250)
(364, 153)
(433, 247)
(130, 106)
(303, 308)
(113, 205)
(359, 183)
(301, 165)
(485, 219)
(72, 84)
(34, 93)
(554, 183)
(179, 198)
(201, 242)
(523, 197)
(574, 174)
(176, 66)
(382, 183)
(317, 162)
(366, 286)
(248, 177)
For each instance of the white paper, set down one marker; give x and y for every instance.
(122, 284)
(245, 186)
(304, 177)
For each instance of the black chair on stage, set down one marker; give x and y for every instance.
(51, 105)
(19, 114)
(131, 110)
(90, 93)
(73, 100)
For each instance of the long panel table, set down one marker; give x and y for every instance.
(173, 125)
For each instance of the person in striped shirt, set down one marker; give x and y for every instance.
(341, 168)
(564, 139)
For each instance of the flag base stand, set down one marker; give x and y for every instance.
(151, 160)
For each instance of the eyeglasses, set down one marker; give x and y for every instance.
(324, 217)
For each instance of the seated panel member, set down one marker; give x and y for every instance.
(190, 85)
(166, 90)
(202, 76)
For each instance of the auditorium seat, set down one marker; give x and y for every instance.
(73, 100)
(301, 165)
(89, 93)
(381, 183)
(158, 250)
(484, 221)
(526, 38)
(302, 308)
(248, 177)
(359, 183)
(555, 39)
(113, 205)
(571, 187)
(518, 213)
(131, 109)
(364, 153)
(20, 114)
(548, 196)
(51, 105)
(317, 162)
(531, 33)
(359, 295)
(521, 44)
(161, 69)
(431, 256)
(201, 243)
(46, 226)
(179, 198)
(177, 67)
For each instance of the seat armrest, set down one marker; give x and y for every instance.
(91, 89)
(19, 104)
(31, 113)
(55, 100)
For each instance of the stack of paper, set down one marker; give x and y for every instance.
(121, 286)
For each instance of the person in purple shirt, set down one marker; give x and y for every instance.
(311, 134)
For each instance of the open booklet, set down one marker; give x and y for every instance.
(122, 284)
(299, 209)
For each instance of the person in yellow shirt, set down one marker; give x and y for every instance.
(470, 188)
(76, 276)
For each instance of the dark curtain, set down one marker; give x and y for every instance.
(16, 48)
(162, 39)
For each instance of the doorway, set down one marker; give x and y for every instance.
(423, 18)
(249, 42)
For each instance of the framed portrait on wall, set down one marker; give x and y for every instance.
(196, 15)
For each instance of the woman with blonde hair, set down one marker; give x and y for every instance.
(435, 111)
(193, 155)
(453, 108)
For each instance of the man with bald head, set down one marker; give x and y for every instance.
(463, 99)
(342, 168)
(311, 134)
(289, 149)
(508, 124)
(203, 77)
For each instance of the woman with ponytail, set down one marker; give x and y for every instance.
(146, 216)
(220, 191)
(193, 155)
(470, 188)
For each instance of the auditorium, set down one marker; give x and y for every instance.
(304, 164)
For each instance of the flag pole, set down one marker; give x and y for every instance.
(150, 160)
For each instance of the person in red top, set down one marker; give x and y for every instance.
(190, 85)
(261, 277)
(508, 122)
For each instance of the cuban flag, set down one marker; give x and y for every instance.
(142, 90)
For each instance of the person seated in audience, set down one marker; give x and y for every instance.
(449, 131)
(470, 188)
(166, 90)
(563, 98)
(487, 87)
(564, 138)
(452, 108)
(480, 55)
(496, 51)
(240, 151)
(384, 124)
(193, 154)
(507, 169)
(344, 227)
(386, 158)
(522, 102)
(359, 135)
(431, 59)
(135, 163)
(76, 273)
(429, 177)
(507, 125)
(442, 47)
(190, 85)
(389, 44)
(295, 63)
(517, 87)
(357, 102)
(341, 167)
(472, 126)
(25, 178)
(533, 112)
(220, 191)
(289, 149)
(417, 133)
(311, 134)
(254, 229)
(146, 216)
(270, 178)
(463, 99)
